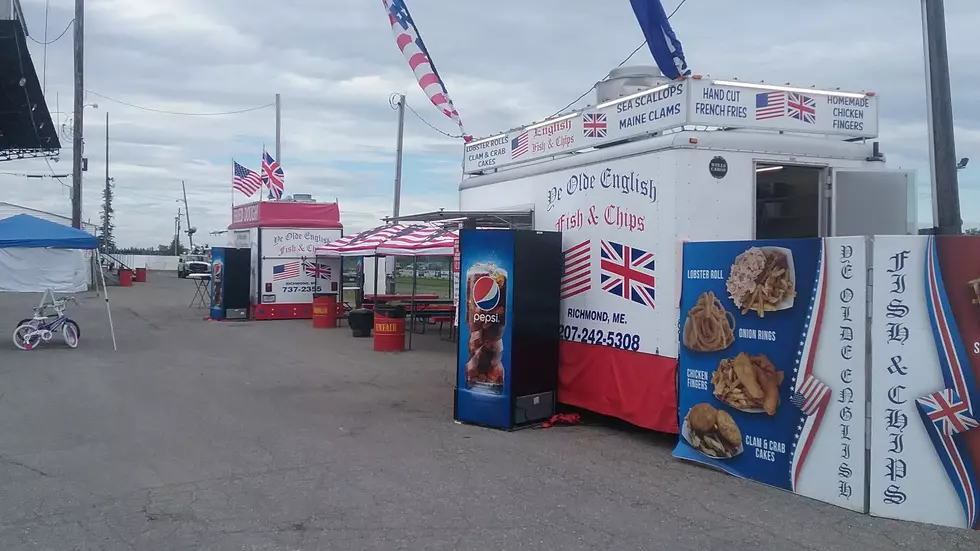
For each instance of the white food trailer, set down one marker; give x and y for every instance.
(657, 163)
(285, 271)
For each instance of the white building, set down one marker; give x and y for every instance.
(9, 209)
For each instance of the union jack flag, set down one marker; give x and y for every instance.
(802, 108)
(318, 271)
(594, 125)
(950, 414)
(811, 396)
(272, 176)
(627, 272)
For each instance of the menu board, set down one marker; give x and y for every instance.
(772, 363)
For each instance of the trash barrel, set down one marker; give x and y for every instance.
(389, 328)
(324, 310)
(140, 275)
(360, 321)
(125, 277)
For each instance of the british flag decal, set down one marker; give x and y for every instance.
(627, 272)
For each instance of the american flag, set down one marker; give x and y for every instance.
(594, 125)
(811, 396)
(518, 146)
(245, 180)
(950, 414)
(288, 270)
(627, 272)
(272, 176)
(802, 108)
(410, 43)
(576, 277)
(770, 105)
(318, 271)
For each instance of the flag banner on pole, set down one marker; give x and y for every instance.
(664, 45)
(245, 180)
(272, 176)
(410, 43)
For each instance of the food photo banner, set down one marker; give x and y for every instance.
(925, 363)
(773, 363)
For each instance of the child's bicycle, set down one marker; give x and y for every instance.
(30, 333)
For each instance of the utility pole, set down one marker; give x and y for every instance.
(177, 233)
(278, 129)
(398, 156)
(108, 190)
(390, 263)
(76, 171)
(942, 145)
(187, 213)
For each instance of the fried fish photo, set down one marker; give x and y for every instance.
(748, 383)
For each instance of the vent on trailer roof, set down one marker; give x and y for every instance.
(628, 80)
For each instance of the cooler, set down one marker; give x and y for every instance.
(507, 361)
(230, 274)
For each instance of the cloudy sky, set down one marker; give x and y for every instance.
(505, 63)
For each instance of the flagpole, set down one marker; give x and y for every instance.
(262, 168)
(232, 184)
(278, 129)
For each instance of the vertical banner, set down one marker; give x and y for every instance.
(772, 363)
(925, 363)
(486, 296)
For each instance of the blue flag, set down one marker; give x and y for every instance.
(664, 46)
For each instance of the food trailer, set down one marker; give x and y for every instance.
(628, 181)
(285, 272)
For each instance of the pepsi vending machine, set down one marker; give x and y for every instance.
(509, 293)
(230, 276)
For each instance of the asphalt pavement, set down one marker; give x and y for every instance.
(276, 435)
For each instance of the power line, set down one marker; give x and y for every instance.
(621, 63)
(49, 42)
(430, 125)
(166, 112)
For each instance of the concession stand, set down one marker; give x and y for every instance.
(282, 237)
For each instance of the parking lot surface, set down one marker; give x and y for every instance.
(276, 435)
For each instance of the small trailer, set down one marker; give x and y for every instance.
(629, 181)
(285, 272)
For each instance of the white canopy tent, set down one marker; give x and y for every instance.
(40, 256)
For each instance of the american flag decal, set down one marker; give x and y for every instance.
(288, 270)
(950, 412)
(802, 108)
(627, 272)
(811, 397)
(317, 271)
(576, 277)
(770, 105)
(594, 125)
(518, 146)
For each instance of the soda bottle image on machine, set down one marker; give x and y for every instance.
(486, 318)
(509, 299)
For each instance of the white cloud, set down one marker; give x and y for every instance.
(505, 63)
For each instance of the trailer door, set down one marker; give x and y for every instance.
(872, 202)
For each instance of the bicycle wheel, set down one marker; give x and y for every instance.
(70, 333)
(26, 337)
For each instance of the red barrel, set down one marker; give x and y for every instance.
(389, 332)
(325, 311)
(125, 278)
(140, 275)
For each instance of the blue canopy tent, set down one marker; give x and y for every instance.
(38, 255)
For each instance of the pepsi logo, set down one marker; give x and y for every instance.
(486, 293)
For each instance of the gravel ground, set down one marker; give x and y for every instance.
(274, 435)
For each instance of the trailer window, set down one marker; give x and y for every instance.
(787, 201)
